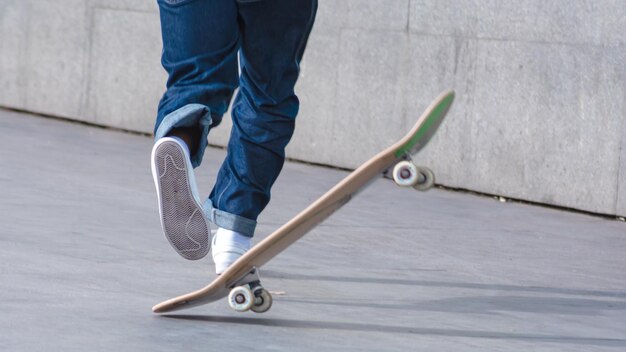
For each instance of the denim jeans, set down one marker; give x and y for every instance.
(211, 47)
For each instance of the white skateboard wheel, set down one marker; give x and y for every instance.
(425, 179)
(240, 298)
(262, 301)
(405, 174)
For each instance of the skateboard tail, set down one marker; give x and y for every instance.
(189, 300)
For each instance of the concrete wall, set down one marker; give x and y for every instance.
(540, 111)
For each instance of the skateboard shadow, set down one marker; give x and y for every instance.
(482, 305)
(363, 327)
(427, 283)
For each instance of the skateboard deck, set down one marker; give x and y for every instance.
(322, 208)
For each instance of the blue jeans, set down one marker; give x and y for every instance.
(201, 43)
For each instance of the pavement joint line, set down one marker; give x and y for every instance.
(501, 198)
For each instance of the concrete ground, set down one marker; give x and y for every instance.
(83, 259)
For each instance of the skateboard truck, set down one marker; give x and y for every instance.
(250, 295)
(406, 173)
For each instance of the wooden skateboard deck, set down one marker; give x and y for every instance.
(322, 208)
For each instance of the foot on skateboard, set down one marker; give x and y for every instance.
(226, 247)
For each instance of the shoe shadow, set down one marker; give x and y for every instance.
(362, 327)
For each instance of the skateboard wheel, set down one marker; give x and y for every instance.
(262, 301)
(240, 298)
(405, 174)
(425, 179)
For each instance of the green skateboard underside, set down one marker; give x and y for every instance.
(427, 128)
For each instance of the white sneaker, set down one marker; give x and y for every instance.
(227, 247)
(184, 223)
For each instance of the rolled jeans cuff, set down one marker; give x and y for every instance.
(229, 221)
(190, 115)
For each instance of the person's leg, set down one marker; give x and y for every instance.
(200, 43)
(273, 37)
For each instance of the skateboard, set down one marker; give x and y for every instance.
(240, 282)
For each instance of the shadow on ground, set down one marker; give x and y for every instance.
(363, 327)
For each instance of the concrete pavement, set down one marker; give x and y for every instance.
(83, 259)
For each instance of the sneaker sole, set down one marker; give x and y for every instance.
(182, 217)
